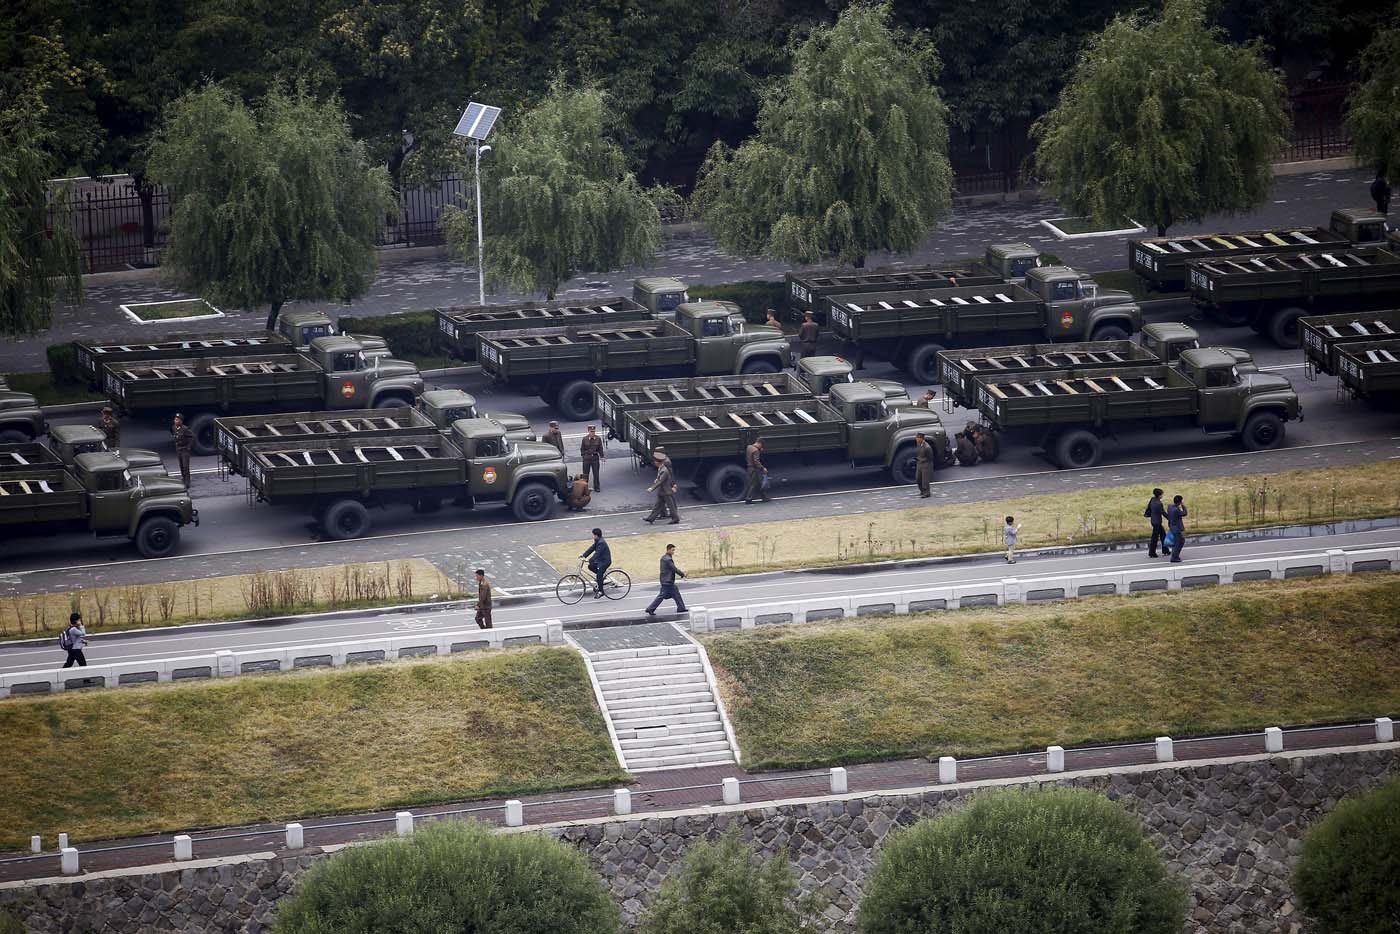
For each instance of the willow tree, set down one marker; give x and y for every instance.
(39, 253)
(558, 197)
(1373, 114)
(850, 154)
(1162, 121)
(269, 204)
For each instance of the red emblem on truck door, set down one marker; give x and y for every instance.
(347, 389)
(489, 475)
(1066, 319)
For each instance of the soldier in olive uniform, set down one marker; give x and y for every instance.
(753, 462)
(965, 450)
(665, 489)
(807, 335)
(988, 447)
(923, 473)
(483, 600)
(554, 436)
(111, 428)
(184, 446)
(592, 450)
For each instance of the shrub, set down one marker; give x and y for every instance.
(754, 298)
(1346, 874)
(408, 333)
(722, 888)
(63, 365)
(1036, 862)
(450, 877)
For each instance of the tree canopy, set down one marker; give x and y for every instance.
(1345, 877)
(269, 204)
(1373, 116)
(850, 155)
(1163, 120)
(557, 197)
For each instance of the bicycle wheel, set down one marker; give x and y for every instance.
(571, 588)
(616, 584)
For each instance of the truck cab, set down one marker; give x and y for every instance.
(529, 476)
(300, 328)
(1361, 226)
(1077, 309)
(880, 431)
(726, 343)
(69, 441)
(149, 510)
(1011, 261)
(1229, 398)
(21, 419)
(822, 372)
(354, 381)
(1167, 339)
(443, 407)
(660, 294)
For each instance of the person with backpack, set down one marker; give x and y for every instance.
(1156, 515)
(73, 640)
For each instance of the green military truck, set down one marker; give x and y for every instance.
(69, 441)
(334, 374)
(339, 479)
(1362, 349)
(97, 494)
(1068, 412)
(459, 327)
(1370, 370)
(435, 411)
(562, 364)
(814, 377)
(1161, 342)
(660, 295)
(21, 419)
(1161, 261)
(1273, 293)
(910, 329)
(809, 291)
(855, 425)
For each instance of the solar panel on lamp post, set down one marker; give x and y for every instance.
(475, 124)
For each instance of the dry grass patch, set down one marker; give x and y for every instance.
(276, 747)
(984, 681)
(1107, 514)
(260, 594)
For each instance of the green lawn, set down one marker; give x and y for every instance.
(278, 747)
(985, 681)
(160, 311)
(1084, 225)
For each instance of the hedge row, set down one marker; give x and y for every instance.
(408, 333)
(63, 365)
(754, 298)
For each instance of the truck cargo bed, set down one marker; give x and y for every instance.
(710, 432)
(960, 369)
(1305, 277)
(585, 349)
(616, 399)
(205, 382)
(1162, 260)
(1088, 397)
(811, 291)
(280, 470)
(92, 357)
(235, 436)
(948, 312)
(1324, 335)
(41, 496)
(27, 456)
(1370, 368)
(460, 325)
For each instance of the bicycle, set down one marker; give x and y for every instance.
(572, 588)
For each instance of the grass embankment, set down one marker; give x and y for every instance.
(985, 681)
(46, 392)
(1107, 514)
(169, 757)
(239, 596)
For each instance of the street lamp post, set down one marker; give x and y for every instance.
(475, 124)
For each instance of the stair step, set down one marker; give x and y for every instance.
(691, 730)
(656, 718)
(654, 687)
(678, 749)
(683, 739)
(650, 671)
(654, 661)
(656, 763)
(647, 652)
(645, 703)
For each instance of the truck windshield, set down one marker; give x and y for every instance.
(736, 324)
(312, 331)
(452, 415)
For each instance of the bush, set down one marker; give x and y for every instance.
(63, 365)
(1035, 862)
(453, 876)
(408, 333)
(754, 298)
(1346, 874)
(722, 888)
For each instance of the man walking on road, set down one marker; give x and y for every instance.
(554, 436)
(1176, 515)
(807, 336)
(111, 428)
(753, 461)
(74, 640)
(1012, 534)
(668, 591)
(184, 445)
(599, 557)
(664, 486)
(923, 472)
(591, 448)
(1380, 193)
(483, 600)
(1156, 513)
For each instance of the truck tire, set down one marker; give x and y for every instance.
(904, 466)
(202, 426)
(345, 519)
(157, 537)
(1263, 431)
(726, 483)
(13, 436)
(761, 365)
(1283, 328)
(1077, 448)
(1109, 332)
(533, 501)
(575, 400)
(392, 402)
(923, 363)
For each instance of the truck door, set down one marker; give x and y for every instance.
(347, 382)
(1220, 397)
(488, 473)
(869, 427)
(714, 347)
(111, 499)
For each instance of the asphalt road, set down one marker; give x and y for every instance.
(712, 593)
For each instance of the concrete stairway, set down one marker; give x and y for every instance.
(661, 707)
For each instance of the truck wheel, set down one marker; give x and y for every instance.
(13, 436)
(346, 519)
(157, 537)
(1283, 328)
(533, 502)
(1263, 431)
(1078, 448)
(1109, 332)
(392, 402)
(923, 363)
(575, 400)
(758, 366)
(203, 428)
(726, 483)
(904, 467)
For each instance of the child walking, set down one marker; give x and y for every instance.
(1011, 532)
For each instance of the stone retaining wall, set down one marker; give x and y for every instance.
(1232, 828)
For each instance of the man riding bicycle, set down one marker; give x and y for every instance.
(599, 557)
